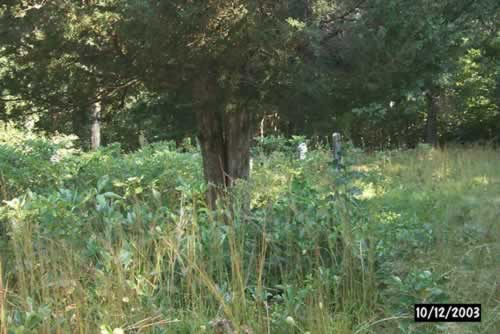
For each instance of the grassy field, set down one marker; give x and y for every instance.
(107, 242)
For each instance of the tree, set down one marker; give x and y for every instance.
(390, 52)
(55, 49)
(221, 52)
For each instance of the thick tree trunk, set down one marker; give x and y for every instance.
(431, 127)
(213, 153)
(225, 138)
(210, 135)
(238, 136)
(95, 128)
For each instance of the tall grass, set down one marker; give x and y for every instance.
(114, 242)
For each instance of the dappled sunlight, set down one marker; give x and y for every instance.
(393, 168)
(441, 173)
(443, 214)
(369, 191)
(481, 180)
(366, 168)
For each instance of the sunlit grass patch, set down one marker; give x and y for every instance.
(451, 198)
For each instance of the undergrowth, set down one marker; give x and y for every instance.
(122, 243)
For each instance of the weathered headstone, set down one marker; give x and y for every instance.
(142, 139)
(337, 150)
(95, 134)
(302, 148)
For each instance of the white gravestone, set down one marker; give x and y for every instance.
(302, 151)
(337, 149)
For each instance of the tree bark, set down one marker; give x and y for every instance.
(238, 136)
(95, 128)
(213, 153)
(431, 126)
(225, 138)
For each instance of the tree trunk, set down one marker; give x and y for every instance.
(431, 126)
(225, 147)
(225, 138)
(95, 129)
(262, 124)
(212, 152)
(238, 136)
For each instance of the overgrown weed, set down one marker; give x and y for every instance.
(109, 241)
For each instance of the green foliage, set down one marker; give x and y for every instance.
(322, 65)
(109, 241)
(29, 161)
